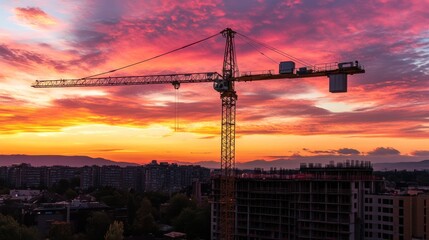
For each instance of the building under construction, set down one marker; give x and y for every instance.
(315, 203)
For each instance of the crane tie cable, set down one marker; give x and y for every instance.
(275, 50)
(253, 46)
(157, 56)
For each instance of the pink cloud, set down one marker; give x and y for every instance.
(387, 38)
(35, 16)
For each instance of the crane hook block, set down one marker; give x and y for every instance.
(221, 85)
(176, 84)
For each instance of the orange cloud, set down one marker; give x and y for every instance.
(35, 17)
(389, 102)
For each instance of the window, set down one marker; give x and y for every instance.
(401, 203)
(388, 210)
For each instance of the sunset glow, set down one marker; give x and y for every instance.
(385, 109)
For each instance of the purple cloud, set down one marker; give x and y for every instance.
(348, 151)
(421, 153)
(382, 151)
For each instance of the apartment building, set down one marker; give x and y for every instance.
(420, 218)
(25, 176)
(396, 216)
(162, 177)
(56, 173)
(388, 216)
(89, 177)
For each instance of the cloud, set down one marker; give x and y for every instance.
(24, 58)
(278, 156)
(35, 17)
(348, 151)
(389, 39)
(321, 152)
(382, 151)
(341, 151)
(108, 150)
(207, 137)
(421, 153)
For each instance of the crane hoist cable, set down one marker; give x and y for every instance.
(276, 50)
(176, 109)
(154, 57)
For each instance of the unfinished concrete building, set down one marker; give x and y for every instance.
(315, 203)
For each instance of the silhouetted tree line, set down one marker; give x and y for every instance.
(405, 178)
(147, 214)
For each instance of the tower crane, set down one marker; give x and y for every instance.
(224, 84)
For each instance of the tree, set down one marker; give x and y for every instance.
(144, 222)
(70, 194)
(60, 231)
(176, 205)
(156, 198)
(131, 208)
(194, 222)
(185, 222)
(111, 197)
(11, 230)
(97, 225)
(115, 232)
(62, 186)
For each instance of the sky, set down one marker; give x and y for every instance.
(383, 117)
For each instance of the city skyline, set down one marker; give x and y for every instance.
(383, 117)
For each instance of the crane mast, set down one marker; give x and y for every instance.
(224, 84)
(227, 160)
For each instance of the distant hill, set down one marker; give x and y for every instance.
(51, 160)
(79, 161)
(409, 166)
(294, 164)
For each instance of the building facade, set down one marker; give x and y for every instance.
(388, 216)
(317, 203)
(163, 177)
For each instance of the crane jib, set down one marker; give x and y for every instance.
(130, 80)
(181, 78)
